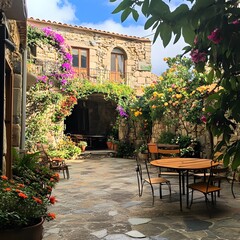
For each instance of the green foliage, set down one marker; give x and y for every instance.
(65, 148)
(211, 30)
(125, 149)
(25, 198)
(166, 137)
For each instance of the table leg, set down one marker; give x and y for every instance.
(187, 189)
(180, 189)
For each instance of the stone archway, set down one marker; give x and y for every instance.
(92, 119)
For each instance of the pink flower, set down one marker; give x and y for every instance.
(235, 22)
(203, 119)
(215, 36)
(195, 40)
(198, 56)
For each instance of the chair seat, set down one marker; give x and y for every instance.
(157, 180)
(204, 187)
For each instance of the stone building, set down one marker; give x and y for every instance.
(97, 56)
(100, 55)
(13, 25)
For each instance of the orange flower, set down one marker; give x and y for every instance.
(7, 189)
(22, 195)
(52, 199)
(37, 200)
(4, 177)
(52, 215)
(49, 188)
(20, 185)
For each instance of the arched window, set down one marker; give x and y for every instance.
(117, 65)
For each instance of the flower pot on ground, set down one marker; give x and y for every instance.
(34, 232)
(143, 156)
(82, 145)
(25, 198)
(109, 145)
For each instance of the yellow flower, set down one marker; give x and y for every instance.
(155, 94)
(161, 78)
(178, 96)
(137, 113)
(160, 95)
(166, 104)
(170, 89)
(165, 59)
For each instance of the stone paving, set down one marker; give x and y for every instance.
(100, 201)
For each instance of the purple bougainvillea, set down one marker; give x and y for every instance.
(121, 111)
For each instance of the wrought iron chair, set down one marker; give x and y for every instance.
(56, 164)
(145, 176)
(206, 186)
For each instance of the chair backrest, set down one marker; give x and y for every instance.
(220, 171)
(169, 151)
(215, 172)
(142, 169)
(152, 148)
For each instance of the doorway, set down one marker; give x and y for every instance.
(92, 118)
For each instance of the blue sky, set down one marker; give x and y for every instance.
(98, 14)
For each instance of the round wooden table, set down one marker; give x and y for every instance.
(184, 165)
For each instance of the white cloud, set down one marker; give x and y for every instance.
(54, 10)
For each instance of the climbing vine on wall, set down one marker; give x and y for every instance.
(55, 92)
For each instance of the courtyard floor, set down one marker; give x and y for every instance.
(100, 201)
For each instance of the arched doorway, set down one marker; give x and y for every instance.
(92, 119)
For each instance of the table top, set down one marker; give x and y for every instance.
(184, 163)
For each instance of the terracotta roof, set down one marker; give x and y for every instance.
(88, 29)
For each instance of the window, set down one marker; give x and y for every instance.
(117, 65)
(81, 61)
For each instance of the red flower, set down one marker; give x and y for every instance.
(52, 215)
(22, 195)
(37, 200)
(20, 185)
(198, 56)
(52, 199)
(215, 36)
(3, 177)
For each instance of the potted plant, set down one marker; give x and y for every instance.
(82, 145)
(25, 198)
(109, 142)
(22, 210)
(143, 151)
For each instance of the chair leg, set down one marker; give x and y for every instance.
(232, 188)
(67, 172)
(170, 189)
(152, 193)
(191, 199)
(160, 190)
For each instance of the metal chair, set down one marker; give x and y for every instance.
(206, 187)
(145, 176)
(55, 164)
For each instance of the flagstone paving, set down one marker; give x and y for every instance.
(100, 201)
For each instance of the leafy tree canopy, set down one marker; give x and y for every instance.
(211, 30)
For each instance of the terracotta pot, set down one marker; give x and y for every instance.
(115, 147)
(34, 232)
(83, 148)
(109, 145)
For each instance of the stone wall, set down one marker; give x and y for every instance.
(100, 45)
